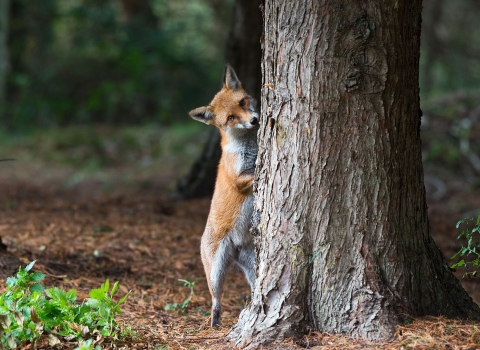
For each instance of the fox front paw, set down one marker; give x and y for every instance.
(244, 182)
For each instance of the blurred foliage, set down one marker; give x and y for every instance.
(450, 49)
(112, 61)
(92, 148)
(451, 135)
(143, 61)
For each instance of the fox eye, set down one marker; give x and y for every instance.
(242, 103)
(230, 118)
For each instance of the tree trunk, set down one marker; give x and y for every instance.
(140, 16)
(4, 12)
(200, 181)
(344, 243)
(244, 52)
(244, 55)
(38, 17)
(8, 263)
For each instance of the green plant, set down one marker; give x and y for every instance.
(87, 345)
(128, 332)
(18, 321)
(28, 310)
(203, 312)
(182, 306)
(162, 347)
(472, 248)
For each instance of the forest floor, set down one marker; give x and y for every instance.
(94, 203)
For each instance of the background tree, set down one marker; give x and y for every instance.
(7, 263)
(244, 54)
(4, 12)
(139, 14)
(344, 243)
(450, 58)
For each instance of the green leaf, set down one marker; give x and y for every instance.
(29, 266)
(185, 303)
(49, 292)
(21, 274)
(185, 282)
(106, 286)
(11, 281)
(124, 298)
(94, 303)
(461, 263)
(169, 307)
(71, 295)
(28, 309)
(106, 332)
(98, 294)
(117, 309)
(58, 295)
(36, 276)
(36, 287)
(114, 288)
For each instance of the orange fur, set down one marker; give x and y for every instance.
(226, 203)
(226, 238)
(226, 103)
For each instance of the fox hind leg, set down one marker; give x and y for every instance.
(246, 262)
(221, 261)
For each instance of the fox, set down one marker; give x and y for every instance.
(226, 240)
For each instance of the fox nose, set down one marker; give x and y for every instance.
(254, 121)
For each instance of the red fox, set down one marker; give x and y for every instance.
(226, 239)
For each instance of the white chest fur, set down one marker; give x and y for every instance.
(244, 146)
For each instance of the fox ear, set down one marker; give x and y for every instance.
(202, 114)
(230, 79)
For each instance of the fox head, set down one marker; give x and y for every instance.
(232, 109)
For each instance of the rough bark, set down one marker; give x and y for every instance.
(4, 11)
(344, 243)
(244, 55)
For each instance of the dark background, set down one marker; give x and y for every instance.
(100, 90)
(121, 62)
(113, 61)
